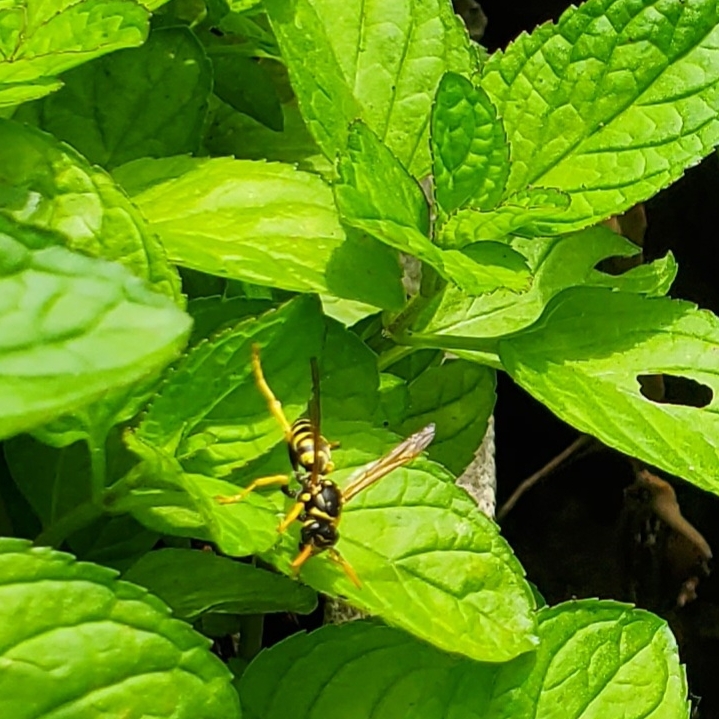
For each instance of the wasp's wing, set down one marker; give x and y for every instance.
(401, 454)
(315, 418)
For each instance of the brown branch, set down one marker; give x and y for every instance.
(541, 473)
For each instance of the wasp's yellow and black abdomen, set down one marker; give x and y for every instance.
(302, 448)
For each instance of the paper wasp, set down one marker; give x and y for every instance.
(319, 500)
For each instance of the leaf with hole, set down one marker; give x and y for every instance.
(583, 360)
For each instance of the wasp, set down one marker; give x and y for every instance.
(318, 500)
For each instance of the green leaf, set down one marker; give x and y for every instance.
(73, 328)
(15, 94)
(40, 40)
(401, 218)
(469, 147)
(521, 214)
(94, 422)
(120, 651)
(193, 582)
(209, 412)
(429, 561)
(167, 500)
(46, 184)
(149, 101)
(348, 312)
(230, 218)
(556, 263)
(213, 314)
(54, 481)
(116, 542)
(348, 375)
(249, 32)
(393, 400)
(366, 170)
(153, 4)
(366, 669)
(592, 658)
(611, 104)
(244, 84)
(242, 5)
(459, 397)
(654, 279)
(57, 482)
(232, 133)
(583, 360)
(413, 527)
(377, 62)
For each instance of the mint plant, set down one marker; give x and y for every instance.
(277, 153)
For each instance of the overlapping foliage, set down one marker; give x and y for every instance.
(274, 152)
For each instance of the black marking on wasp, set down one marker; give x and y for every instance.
(319, 500)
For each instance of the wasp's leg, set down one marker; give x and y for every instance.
(278, 480)
(305, 553)
(273, 403)
(336, 557)
(291, 516)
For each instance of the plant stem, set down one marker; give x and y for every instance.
(392, 355)
(487, 345)
(80, 517)
(98, 466)
(251, 630)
